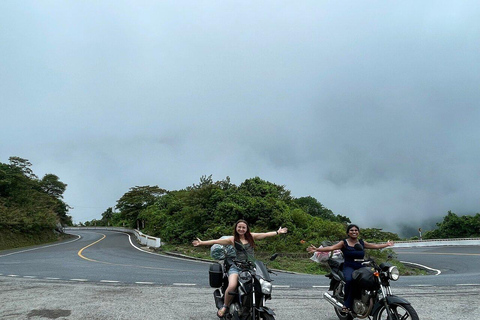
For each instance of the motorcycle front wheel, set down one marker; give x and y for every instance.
(267, 316)
(399, 312)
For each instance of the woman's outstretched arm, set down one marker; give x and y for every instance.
(336, 246)
(222, 241)
(258, 236)
(378, 245)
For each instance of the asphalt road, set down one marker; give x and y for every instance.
(36, 299)
(458, 265)
(104, 275)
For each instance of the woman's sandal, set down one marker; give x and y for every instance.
(221, 311)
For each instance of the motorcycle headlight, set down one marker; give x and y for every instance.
(393, 273)
(266, 286)
(245, 276)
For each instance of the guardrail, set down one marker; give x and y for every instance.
(144, 239)
(438, 242)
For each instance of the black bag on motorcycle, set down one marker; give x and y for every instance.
(215, 275)
(365, 278)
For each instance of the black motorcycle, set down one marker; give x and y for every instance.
(373, 296)
(254, 288)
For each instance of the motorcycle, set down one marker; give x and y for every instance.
(373, 297)
(254, 288)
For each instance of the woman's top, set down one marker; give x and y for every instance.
(350, 254)
(245, 254)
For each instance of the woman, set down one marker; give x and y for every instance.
(350, 254)
(241, 235)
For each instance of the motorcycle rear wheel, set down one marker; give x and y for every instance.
(399, 311)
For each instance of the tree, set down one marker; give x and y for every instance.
(51, 185)
(134, 201)
(28, 204)
(257, 187)
(454, 226)
(107, 216)
(376, 235)
(23, 165)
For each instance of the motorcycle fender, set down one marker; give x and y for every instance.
(390, 300)
(336, 277)
(333, 282)
(266, 310)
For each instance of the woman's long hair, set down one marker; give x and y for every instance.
(248, 234)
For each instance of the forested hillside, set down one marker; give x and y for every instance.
(30, 208)
(454, 226)
(209, 210)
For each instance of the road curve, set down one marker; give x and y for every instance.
(104, 275)
(102, 256)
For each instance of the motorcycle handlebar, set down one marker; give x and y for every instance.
(242, 264)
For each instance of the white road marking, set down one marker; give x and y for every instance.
(109, 281)
(420, 285)
(424, 267)
(141, 282)
(184, 284)
(50, 245)
(320, 286)
(12, 275)
(30, 277)
(48, 278)
(158, 254)
(281, 286)
(468, 284)
(82, 280)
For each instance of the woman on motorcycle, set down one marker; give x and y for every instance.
(353, 250)
(243, 236)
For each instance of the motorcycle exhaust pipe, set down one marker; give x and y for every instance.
(332, 300)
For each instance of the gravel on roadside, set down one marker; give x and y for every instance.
(44, 299)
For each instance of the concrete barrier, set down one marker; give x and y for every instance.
(438, 242)
(147, 240)
(144, 239)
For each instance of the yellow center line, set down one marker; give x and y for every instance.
(91, 244)
(80, 254)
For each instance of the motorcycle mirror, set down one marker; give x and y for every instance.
(358, 247)
(274, 256)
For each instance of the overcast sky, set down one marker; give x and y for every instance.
(371, 107)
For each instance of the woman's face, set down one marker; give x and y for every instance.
(241, 228)
(353, 232)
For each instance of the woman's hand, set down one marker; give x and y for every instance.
(282, 230)
(390, 243)
(197, 242)
(311, 248)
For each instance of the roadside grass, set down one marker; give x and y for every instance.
(12, 240)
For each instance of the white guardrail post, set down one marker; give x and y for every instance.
(144, 239)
